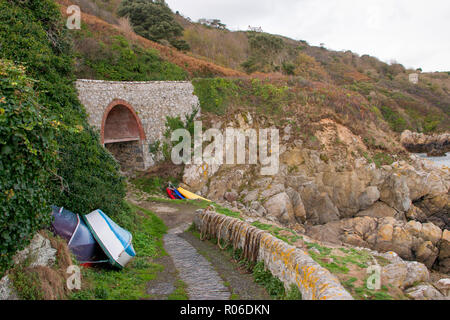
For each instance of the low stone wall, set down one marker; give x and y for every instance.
(288, 263)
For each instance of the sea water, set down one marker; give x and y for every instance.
(441, 161)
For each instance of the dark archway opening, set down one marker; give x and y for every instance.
(121, 126)
(123, 136)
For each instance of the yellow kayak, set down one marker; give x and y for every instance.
(189, 195)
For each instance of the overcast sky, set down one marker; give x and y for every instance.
(414, 33)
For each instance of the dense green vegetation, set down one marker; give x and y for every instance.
(90, 177)
(153, 20)
(118, 60)
(172, 124)
(264, 48)
(214, 94)
(153, 185)
(396, 122)
(262, 276)
(27, 158)
(26, 283)
(131, 282)
(85, 177)
(217, 95)
(273, 285)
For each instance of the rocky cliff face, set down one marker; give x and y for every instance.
(435, 145)
(335, 195)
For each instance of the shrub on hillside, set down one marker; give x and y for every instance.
(307, 67)
(264, 50)
(223, 47)
(217, 95)
(118, 60)
(27, 159)
(288, 68)
(153, 20)
(395, 120)
(91, 178)
(104, 9)
(214, 94)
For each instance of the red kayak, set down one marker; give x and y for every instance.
(170, 193)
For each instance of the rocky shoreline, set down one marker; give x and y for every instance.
(432, 145)
(402, 207)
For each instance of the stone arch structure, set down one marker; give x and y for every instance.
(131, 116)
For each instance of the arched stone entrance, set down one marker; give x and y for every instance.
(123, 135)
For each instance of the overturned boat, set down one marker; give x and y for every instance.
(71, 227)
(114, 240)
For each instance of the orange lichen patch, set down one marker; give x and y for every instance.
(193, 66)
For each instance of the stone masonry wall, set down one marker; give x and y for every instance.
(128, 154)
(288, 263)
(152, 102)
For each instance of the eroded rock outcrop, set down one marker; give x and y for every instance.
(434, 145)
(348, 199)
(411, 241)
(444, 253)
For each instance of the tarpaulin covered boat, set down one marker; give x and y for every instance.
(72, 228)
(114, 240)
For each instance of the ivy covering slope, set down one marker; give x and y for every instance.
(27, 156)
(86, 176)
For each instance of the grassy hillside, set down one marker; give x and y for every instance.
(99, 36)
(108, 48)
(299, 104)
(424, 107)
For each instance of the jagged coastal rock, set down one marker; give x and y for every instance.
(433, 145)
(402, 207)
